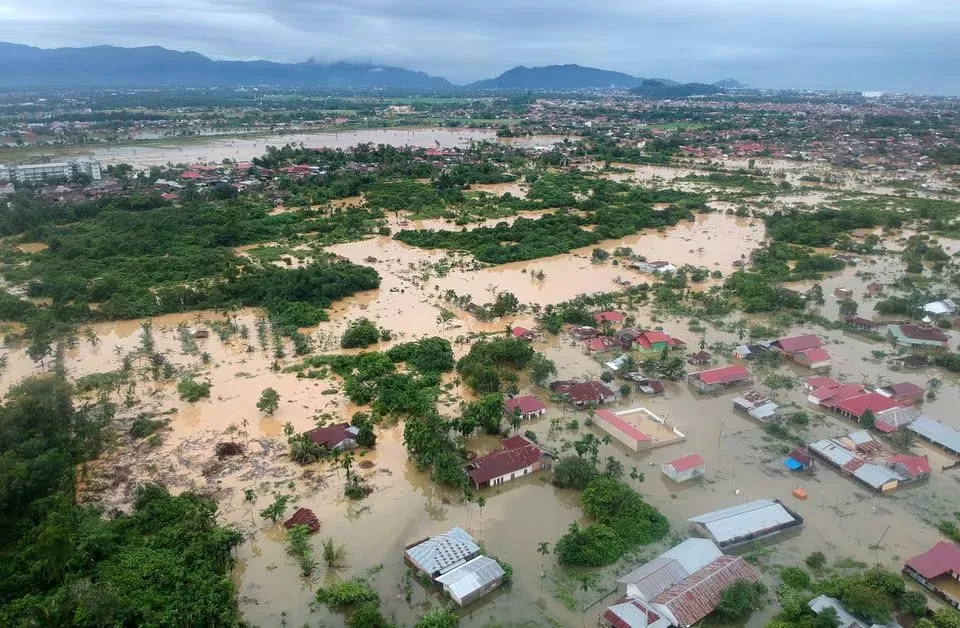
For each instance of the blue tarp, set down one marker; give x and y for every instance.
(792, 464)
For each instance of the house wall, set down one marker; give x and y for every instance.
(684, 476)
(536, 466)
(620, 436)
(473, 596)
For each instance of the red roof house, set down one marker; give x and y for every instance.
(518, 457)
(814, 383)
(913, 467)
(714, 379)
(816, 358)
(941, 564)
(582, 393)
(304, 517)
(191, 175)
(600, 344)
(903, 392)
(796, 344)
(696, 596)
(522, 333)
(629, 435)
(528, 406)
(608, 317)
(339, 436)
(684, 468)
(856, 406)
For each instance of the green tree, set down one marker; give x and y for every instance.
(276, 509)
(541, 369)
(439, 618)
(868, 420)
(574, 472)
(740, 600)
(269, 401)
(847, 307)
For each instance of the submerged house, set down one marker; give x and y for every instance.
(582, 394)
(917, 336)
(472, 580)
(741, 524)
(938, 570)
(757, 407)
(718, 379)
(806, 350)
(333, 437)
(527, 406)
(518, 457)
(443, 553)
(685, 468)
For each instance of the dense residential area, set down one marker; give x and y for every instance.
(648, 356)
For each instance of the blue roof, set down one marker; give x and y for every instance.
(792, 464)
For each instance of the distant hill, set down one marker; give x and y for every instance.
(110, 66)
(730, 84)
(650, 88)
(557, 77)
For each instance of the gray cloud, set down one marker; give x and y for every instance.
(903, 45)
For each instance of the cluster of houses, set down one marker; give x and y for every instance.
(678, 588)
(455, 562)
(892, 406)
(866, 460)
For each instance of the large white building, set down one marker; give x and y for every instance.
(37, 173)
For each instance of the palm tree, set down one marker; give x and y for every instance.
(606, 442)
(543, 548)
(481, 502)
(636, 476)
(516, 421)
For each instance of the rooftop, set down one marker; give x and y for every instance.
(723, 375)
(472, 576)
(942, 558)
(685, 463)
(796, 344)
(443, 552)
(698, 595)
(526, 404)
(736, 522)
(620, 424)
(516, 455)
(936, 432)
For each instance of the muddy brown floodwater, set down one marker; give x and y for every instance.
(842, 519)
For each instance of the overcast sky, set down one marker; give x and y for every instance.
(891, 45)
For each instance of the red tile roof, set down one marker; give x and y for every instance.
(905, 389)
(519, 332)
(608, 317)
(819, 382)
(628, 429)
(723, 375)
(686, 463)
(329, 436)
(305, 517)
(601, 343)
(816, 355)
(914, 465)
(525, 404)
(923, 333)
(190, 174)
(872, 401)
(941, 559)
(799, 343)
(653, 337)
(583, 392)
(830, 397)
(515, 457)
(696, 596)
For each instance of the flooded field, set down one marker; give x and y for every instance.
(216, 149)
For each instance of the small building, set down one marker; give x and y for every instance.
(937, 433)
(938, 570)
(618, 363)
(912, 362)
(472, 580)
(861, 324)
(629, 435)
(685, 468)
(303, 517)
(845, 619)
(903, 393)
(813, 359)
(917, 336)
(582, 394)
(700, 357)
(522, 333)
(806, 350)
(608, 318)
(583, 333)
(842, 457)
(201, 334)
(528, 406)
(737, 525)
(757, 407)
(441, 554)
(649, 386)
(802, 459)
(600, 344)
(856, 406)
(340, 436)
(627, 336)
(717, 379)
(630, 612)
(944, 307)
(843, 293)
(911, 468)
(874, 289)
(518, 457)
(816, 382)
(748, 352)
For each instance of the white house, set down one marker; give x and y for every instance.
(685, 468)
(944, 307)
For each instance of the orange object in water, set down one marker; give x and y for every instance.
(799, 493)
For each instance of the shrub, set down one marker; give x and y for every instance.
(816, 560)
(593, 546)
(739, 600)
(144, 426)
(574, 472)
(347, 593)
(191, 390)
(795, 577)
(615, 504)
(360, 333)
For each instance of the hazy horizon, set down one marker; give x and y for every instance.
(884, 45)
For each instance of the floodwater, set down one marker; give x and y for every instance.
(216, 149)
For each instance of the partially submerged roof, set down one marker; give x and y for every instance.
(817, 354)
(518, 453)
(723, 375)
(695, 597)
(872, 401)
(472, 576)
(936, 432)
(630, 612)
(631, 430)
(671, 567)
(795, 344)
(741, 521)
(443, 552)
(525, 404)
(942, 558)
(685, 463)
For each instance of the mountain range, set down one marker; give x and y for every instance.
(152, 66)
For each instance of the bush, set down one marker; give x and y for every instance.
(574, 472)
(360, 333)
(593, 546)
(439, 618)
(347, 593)
(191, 390)
(615, 504)
(144, 426)
(740, 600)
(368, 615)
(816, 560)
(795, 577)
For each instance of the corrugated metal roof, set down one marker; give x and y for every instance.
(441, 553)
(936, 432)
(876, 476)
(847, 620)
(736, 522)
(697, 596)
(653, 578)
(630, 612)
(832, 451)
(471, 576)
(694, 554)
